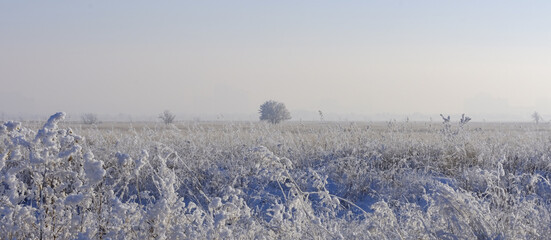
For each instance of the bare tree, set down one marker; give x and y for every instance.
(446, 119)
(536, 117)
(464, 120)
(274, 112)
(89, 118)
(167, 117)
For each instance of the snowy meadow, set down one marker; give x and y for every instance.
(325, 180)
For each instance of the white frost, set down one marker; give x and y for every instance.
(93, 169)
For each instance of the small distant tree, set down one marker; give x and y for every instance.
(536, 117)
(446, 119)
(274, 112)
(167, 117)
(464, 120)
(89, 118)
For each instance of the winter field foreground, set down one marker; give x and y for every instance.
(395, 180)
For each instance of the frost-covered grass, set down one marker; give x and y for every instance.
(397, 180)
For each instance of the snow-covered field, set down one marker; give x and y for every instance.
(397, 180)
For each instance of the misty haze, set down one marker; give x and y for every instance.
(275, 120)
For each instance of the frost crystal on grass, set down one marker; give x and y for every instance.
(259, 181)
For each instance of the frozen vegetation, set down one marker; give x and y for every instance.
(263, 181)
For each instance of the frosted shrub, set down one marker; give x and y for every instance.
(43, 176)
(62, 192)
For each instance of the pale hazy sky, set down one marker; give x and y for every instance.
(227, 57)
